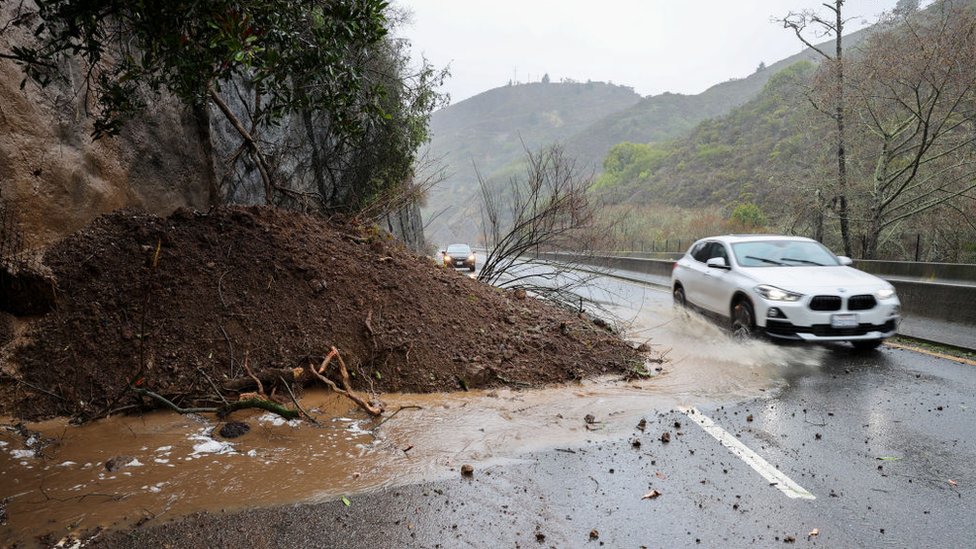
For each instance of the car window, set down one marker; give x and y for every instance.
(459, 249)
(783, 253)
(717, 249)
(700, 251)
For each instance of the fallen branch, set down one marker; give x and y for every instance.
(223, 411)
(295, 400)
(252, 376)
(212, 385)
(347, 389)
(402, 408)
(267, 377)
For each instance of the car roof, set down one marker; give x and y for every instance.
(734, 238)
(459, 246)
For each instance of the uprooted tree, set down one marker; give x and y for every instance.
(547, 210)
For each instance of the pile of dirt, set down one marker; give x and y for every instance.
(182, 303)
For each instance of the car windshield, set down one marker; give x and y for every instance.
(783, 253)
(459, 250)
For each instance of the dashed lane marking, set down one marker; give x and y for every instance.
(754, 460)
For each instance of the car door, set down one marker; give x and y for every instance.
(693, 278)
(715, 285)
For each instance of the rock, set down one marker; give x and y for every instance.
(666, 437)
(540, 537)
(594, 534)
(234, 429)
(642, 424)
(520, 294)
(643, 348)
(467, 470)
(589, 418)
(118, 462)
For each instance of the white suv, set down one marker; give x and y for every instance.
(786, 287)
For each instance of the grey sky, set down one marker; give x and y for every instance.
(681, 46)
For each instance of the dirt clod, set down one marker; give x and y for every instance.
(118, 462)
(665, 437)
(467, 470)
(234, 429)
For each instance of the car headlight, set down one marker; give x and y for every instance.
(447, 257)
(471, 257)
(885, 293)
(773, 293)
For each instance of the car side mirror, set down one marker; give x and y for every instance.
(443, 252)
(845, 261)
(717, 263)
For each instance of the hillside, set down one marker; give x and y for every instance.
(722, 160)
(489, 130)
(588, 119)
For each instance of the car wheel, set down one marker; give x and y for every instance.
(471, 269)
(866, 344)
(743, 320)
(679, 297)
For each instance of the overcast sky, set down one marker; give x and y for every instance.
(681, 46)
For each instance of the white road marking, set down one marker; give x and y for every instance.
(770, 473)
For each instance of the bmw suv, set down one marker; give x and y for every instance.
(785, 287)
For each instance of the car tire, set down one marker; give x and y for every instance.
(866, 344)
(471, 268)
(679, 296)
(743, 320)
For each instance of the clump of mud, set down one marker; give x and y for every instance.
(181, 303)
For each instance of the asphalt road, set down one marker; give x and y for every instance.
(862, 450)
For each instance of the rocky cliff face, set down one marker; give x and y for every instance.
(54, 179)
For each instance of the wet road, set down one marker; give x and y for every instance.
(767, 445)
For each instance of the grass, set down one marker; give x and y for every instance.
(937, 349)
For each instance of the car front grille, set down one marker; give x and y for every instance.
(786, 329)
(825, 303)
(861, 302)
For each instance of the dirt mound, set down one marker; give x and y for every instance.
(193, 296)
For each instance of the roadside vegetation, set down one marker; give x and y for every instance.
(910, 149)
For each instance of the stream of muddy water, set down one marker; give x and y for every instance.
(60, 479)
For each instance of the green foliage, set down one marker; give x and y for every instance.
(748, 216)
(302, 55)
(723, 160)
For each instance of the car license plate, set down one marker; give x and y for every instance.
(846, 320)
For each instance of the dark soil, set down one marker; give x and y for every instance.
(276, 290)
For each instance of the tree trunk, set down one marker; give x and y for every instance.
(249, 141)
(842, 213)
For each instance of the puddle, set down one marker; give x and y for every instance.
(165, 465)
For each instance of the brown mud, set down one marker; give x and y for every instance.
(177, 305)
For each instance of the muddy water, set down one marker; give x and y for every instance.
(172, 465)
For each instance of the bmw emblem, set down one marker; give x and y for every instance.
(841, 290)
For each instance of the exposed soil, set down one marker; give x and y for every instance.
(163, 301)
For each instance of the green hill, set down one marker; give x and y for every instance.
(722, 160)
(492, 130)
